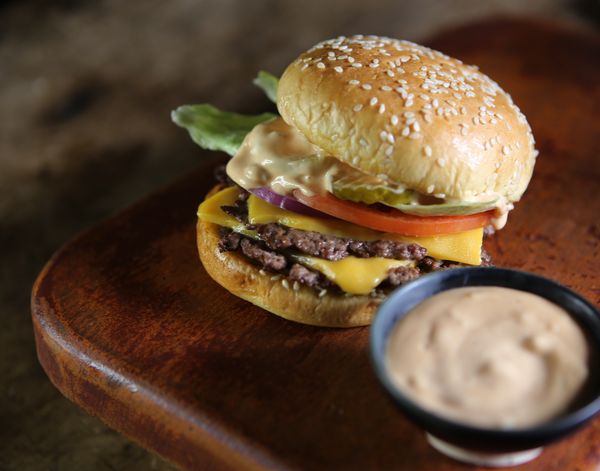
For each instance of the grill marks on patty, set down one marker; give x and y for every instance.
(272, 261)
(274, 238)
(278, 237)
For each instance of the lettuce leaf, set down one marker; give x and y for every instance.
(268, 83)
(214, 129)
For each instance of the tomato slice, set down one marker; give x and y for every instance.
(392, 220)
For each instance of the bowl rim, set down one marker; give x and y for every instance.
(387, 314)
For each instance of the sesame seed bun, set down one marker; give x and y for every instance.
(242, 278)
(411, 115)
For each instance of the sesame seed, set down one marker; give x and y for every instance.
(275, 277)
(505, 150)
(373, 101)
(285, 283)
(331, 53)
(320, 65)
(427, 150)
(430, 189)
(389, 151)
(386, 88)
(381, 108)
(342, 57)
(414, 135)
(404, 58)
(350, 59)
(338, 69)
(423, 96)
(394, 120)
(322, 293)
(296, 286)
(390, 73)
(357, 108)
(390, 138)
(406, 131)
(305, 66)
(416, 126)
(262, 272)
(357, 65)
(383, 135)
(354, 82)
(427, 117)
(476, 120)
(441, 162)
(366, 86)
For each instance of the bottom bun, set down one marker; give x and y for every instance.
(244, 279)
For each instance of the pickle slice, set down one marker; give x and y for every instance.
(370, 190)
(446, 209)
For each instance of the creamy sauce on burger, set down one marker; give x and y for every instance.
(278, 156)
(489, 356)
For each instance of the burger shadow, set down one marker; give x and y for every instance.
(307, 395)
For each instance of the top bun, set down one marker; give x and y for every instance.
(410, 115)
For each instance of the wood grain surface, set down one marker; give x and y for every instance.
(130, 327)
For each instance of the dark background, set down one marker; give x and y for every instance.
(86, 88)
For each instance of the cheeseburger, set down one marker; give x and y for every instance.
(387, 160)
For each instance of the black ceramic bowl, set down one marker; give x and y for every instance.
(466, 437)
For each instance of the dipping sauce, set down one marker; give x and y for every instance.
(489, 356)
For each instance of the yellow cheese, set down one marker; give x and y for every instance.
(354, 275)
(463, 247)
(210, 210)
(261, 212)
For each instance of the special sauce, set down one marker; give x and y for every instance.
(489, 356)
(278, 156)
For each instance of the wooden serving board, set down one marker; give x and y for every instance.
(130, 327)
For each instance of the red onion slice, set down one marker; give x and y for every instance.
(286, 202)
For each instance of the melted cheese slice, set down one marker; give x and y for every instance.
(463, 247)
(354, 275)
(210, 211)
